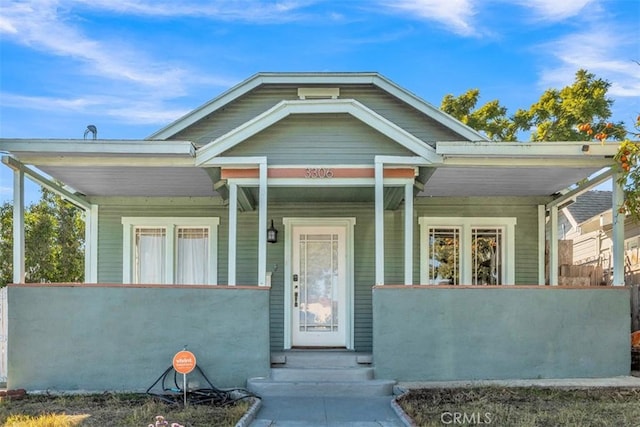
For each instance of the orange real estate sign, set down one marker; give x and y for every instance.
(184, 362)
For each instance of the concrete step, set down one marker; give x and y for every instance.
(269, 387)
(321, 374)
(320, 359)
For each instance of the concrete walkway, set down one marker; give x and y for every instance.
(338, 411)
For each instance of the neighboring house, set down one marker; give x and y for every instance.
(588, 224)
(401, 233)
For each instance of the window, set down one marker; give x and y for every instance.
(170, 250)
(473, 251)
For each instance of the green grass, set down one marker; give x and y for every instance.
(113, 409)
(523, 406)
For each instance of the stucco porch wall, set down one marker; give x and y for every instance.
(122, 338)
(423, 333)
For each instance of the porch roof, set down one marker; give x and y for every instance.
(168, 168)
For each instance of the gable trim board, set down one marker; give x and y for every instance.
(285, 108)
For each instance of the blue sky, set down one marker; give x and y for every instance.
(130, 67)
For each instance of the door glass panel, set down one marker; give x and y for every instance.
(318, 282)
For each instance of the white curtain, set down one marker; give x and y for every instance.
(150, 255)
(192, 256)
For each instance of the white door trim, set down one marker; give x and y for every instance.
(348, 224)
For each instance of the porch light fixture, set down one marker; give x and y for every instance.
(272, 234)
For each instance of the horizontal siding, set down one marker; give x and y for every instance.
(403, 115)
(319, 139)
(263, 98)
(525, 210)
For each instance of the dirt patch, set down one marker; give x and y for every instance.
(523, 406)
(115, 409)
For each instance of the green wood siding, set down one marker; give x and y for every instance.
(261, 99)
(526, 257)
(320, 139)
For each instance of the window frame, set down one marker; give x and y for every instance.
(466, 224)
(171, 225)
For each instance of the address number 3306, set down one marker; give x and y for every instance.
(318, 173)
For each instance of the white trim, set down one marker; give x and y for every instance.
(233, 234)
(408, 234)
(91, 245)
(19, 272)
(379, 223)
(75, 147)
(553, 245)
(465, 224)
(541, 244)
(170, 224)
(348, 223)
(525, 149)
(617, 249)
(328, 182)
(262, 226)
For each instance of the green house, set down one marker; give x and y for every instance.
(314, 211)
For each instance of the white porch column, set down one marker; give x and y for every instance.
(553, 246)
(379, 216)
(541, 244)
(233, 232)
(618, 232)
(262, 226)
(408, 234)
(18, 227)
(91, 244)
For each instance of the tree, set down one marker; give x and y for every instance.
(54, 241)
(554, 117)
(578, 112)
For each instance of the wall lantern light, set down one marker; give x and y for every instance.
(272, 234)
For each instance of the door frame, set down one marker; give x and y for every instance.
(348, 224)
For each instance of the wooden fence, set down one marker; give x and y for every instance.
(635, 307)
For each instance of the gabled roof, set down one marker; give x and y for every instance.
(286, 108)
(318, 78)
(590, 204)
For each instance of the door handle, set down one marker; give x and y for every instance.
(295, 299)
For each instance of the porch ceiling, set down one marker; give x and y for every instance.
(196, 182)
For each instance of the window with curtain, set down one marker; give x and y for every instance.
(150, 253)
(162, 250)
(192, 254)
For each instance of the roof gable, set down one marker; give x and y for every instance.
(286, 108)
(375, 79)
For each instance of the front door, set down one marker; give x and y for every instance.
(319, 275)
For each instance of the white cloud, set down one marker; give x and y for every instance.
(555, 10)
(456, 15)
(605, 51)
(123, 110)
(256, 11)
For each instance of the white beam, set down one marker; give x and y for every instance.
(408, 234)
(618, 232)
(379, 220)
(75, 199)
(582, 188)
(233, 233)
(553, 247)
(553, 149)
(18, 226)
(98, 147)
(541, 244)
(262, 226)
